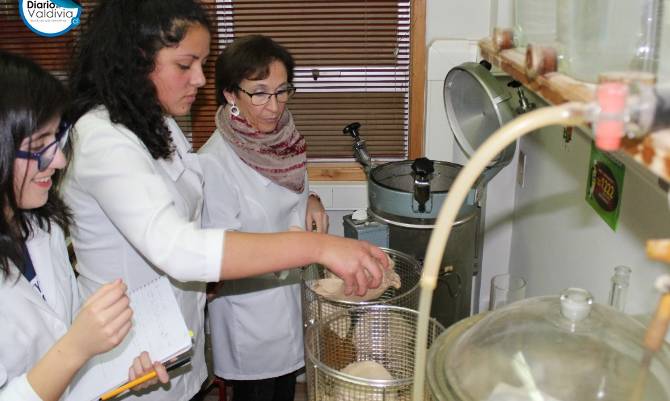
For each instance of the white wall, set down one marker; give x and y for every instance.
(457, 19)
(559, 241)
(340, 199)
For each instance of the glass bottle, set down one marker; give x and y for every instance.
(619, 289)
(663, 73)
(534, 22)
(649, 38)
(599, 36)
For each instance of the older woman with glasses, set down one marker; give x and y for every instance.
(256, 180)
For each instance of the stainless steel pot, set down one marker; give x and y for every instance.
(404, 197)
(408, 211)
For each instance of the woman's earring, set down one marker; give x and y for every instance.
(234, 110)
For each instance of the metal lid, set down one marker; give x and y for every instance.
(392, 192)
(546, 348)
(477, 104)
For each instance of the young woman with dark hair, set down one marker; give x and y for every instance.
(136, 188)
(47, 335)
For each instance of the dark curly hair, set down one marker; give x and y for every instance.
(29, 99)
(249, 57)
(115, 56)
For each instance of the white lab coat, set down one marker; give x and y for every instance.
(138, 218)
(31, 326)
(256, 323)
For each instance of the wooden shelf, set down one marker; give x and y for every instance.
(554, 87)
(335, 172)
(652, 151)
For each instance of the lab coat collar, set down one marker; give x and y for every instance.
(265, 181)
(177, 165)
(40, 251)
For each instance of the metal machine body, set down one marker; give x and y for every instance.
(405, 197)
(399, 219)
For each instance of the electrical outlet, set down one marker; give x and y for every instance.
(521, 170)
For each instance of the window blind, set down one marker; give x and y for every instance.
(352, 64)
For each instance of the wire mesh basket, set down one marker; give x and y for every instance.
(381, 337)
(316, 307)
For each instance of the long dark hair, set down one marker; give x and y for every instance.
(115, 56)
(249, 57)
(30, 97)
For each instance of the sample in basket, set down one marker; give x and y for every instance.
(333, 287)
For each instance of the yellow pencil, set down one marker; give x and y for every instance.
(121, 389)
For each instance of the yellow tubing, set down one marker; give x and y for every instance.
(565, 114)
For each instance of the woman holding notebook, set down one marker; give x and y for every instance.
(47, 336)
(136, 188)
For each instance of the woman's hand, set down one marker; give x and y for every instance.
(103, 321)
(143, 365)
(316, 215)
(360, 264)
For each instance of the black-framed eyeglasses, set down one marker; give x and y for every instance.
(45, 156)
(261, 98)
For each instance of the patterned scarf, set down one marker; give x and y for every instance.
(278, 155)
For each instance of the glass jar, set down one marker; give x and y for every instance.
(663, 74)
(534, 22)
(619, 288)
(563, 348)
(605, 35)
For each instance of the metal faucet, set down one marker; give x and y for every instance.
(524, 104)
(360, 148)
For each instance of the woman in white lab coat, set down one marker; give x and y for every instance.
(256, 180)
(46, 337)
(135, 186)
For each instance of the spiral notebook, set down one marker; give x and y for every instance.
(158, 327)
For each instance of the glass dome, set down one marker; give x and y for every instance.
(547, 348)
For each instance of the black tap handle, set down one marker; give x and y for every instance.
(514, 84)
(352, 130)
(423, 167)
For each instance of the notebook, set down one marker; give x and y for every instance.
(158, 328)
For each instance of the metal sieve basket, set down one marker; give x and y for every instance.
(316, 307)
(383, 334)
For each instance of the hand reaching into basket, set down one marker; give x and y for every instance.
(333, 288)
(359, 265)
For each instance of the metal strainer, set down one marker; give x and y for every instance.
(380, 334)
(316, 307)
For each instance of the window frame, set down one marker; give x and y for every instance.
(352, 171)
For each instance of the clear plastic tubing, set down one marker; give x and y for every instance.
(565, 114)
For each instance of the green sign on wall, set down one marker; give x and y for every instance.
(605, 185)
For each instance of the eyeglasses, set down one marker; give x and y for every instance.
(261, 98)
(45, 156)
